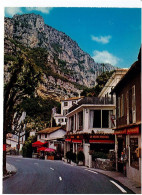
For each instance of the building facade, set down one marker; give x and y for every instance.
(128, 122)
(89, 127)
(54, 136)
(66, 103)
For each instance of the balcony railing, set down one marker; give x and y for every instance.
(93, 100)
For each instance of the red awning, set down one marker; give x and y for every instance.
(37, 144)
(68, 140)
(101, 141)
(119, 132)
(76, 141)
(41, 149)
(134, 130)
(49, 150)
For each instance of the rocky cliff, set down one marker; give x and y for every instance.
(65, 58)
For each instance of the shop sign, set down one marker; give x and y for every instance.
(120, 132)
(100, 136)
(134, 130)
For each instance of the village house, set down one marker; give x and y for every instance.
(54, 136)
(89, 127)
(128, 122)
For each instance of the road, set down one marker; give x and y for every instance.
(36, 176)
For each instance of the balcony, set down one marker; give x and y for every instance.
(93, 100)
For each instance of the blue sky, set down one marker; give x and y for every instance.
(109, 35)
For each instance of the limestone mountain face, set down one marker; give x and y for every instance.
(64, 57)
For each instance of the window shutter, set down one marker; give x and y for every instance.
(133, 104)
(118, 107)
(127, 99)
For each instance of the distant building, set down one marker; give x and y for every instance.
(128, 122)
(12, 141)
(66, 103)
(54, 136)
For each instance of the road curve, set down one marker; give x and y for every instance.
(36, 176)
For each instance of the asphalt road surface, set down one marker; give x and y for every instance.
(36, 176)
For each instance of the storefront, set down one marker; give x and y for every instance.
(128, 151)
(89, 143)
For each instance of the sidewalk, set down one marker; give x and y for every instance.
(11, 170)
(134, 186)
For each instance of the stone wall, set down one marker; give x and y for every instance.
(104, 164)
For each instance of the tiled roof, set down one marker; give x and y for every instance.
(72, 98)
(50, 130)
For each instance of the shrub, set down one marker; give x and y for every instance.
(73, 157)
(69, 155)
(27, 147)
(80, 156)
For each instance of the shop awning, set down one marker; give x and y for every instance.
(49, 150)
(122, 131)
(134, 130)
(41, 149)
(37, 144)
(68, 140)
(76, 141)
(102, 141)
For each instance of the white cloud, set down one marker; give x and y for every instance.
(10, 11)
(40, 9)
(105, 57)
(101, 39)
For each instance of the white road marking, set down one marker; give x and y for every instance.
(60, 178)
(51, 168)
(91, 171)
(124, 191)
(18, 160)
(36, 163)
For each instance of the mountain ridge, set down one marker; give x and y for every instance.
(64, 55)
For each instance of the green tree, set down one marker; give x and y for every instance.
(27, 147)
(24, 77)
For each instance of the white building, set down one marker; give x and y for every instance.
(54, 136)
(89, 126)
(112, 82)
(12, 141)
(66, 103)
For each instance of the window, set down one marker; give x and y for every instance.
(65, 103)
(73, 102)
(134, 160)
(121, 106)
(105, 118)
(101, 119)
(80, 116)
(71, 123)
(65, 112)
(131, 106)
(39, 136)
(45, 135)
(97, 119)
(118, 107)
